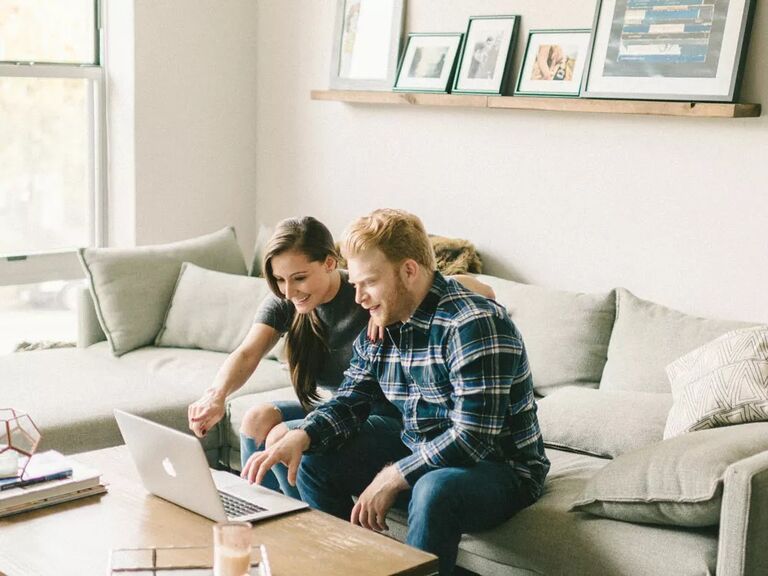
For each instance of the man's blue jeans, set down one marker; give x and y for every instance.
(442, 505)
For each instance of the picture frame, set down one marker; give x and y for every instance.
(649, 50)
(428, 62)
(554, 63)
(486, 55)
(366, 44)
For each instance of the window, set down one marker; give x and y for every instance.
(53, 158)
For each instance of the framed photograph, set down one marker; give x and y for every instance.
(554, 63)
(366, 44)
(486, 56)
(668, 50)
(428, 62)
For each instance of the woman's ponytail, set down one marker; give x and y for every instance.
(306, 347)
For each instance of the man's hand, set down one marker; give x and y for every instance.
(371, 508)
(205, 412)
(287, 450)
(374, 331)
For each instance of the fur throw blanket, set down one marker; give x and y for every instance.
(456, 256)
(42, 345)
(453, 256)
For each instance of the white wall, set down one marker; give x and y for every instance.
(182, 95)
(672, 208)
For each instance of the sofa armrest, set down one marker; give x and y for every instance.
(744, 518)
(88, 328)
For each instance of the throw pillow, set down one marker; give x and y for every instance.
(600, 422)
(648, 336)
(259, 250)
(131, 287)
(211, 310)
(566, 334)
(721, 383)
(677, 482)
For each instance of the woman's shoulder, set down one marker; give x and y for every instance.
(343, 310)
(275, 312)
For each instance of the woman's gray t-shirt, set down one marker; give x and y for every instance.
(343, 319)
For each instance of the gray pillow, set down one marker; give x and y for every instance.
(602, 423)
(678, 482)
(259, 250)
(566, 334)
(132, 287)
(722, 383)
(211, 310)
(648, 336)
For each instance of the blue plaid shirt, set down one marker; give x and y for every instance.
(458, 373)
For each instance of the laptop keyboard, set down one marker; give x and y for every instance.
(234, 506)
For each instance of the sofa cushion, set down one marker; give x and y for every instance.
(211, 310)
(546, 539)
(260, 249)
(648, 336)
(70, 393)
(722, 383)
(677, 482)
(566, 334)
(602, 423)
(132, 287)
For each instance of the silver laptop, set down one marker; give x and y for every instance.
(172, 465)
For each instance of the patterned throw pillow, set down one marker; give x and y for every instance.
(721, 383)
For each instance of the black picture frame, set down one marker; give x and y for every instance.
(429, 62)
(633, 56)
(566, 74)
(490, 75)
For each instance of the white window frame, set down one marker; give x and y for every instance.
(63, 264)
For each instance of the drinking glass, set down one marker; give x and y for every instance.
(231, 549)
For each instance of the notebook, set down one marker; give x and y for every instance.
(172, 465)
(40, 467)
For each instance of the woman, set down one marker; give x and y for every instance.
(314, 305)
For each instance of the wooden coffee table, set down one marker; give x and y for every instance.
(76, 538)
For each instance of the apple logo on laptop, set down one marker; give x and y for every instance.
(168, 467)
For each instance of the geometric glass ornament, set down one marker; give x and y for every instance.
(19, 437)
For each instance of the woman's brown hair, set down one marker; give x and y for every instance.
(306, 344)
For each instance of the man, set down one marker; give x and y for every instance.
(469, 453)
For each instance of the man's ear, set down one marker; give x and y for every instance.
(409, 270)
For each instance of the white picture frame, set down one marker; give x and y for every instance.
(366, 44)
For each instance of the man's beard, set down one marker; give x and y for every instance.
(399, 306)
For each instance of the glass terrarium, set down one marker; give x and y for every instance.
(19, 438)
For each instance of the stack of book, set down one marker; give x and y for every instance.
(49, 479)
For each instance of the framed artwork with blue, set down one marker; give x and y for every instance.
(668, 49)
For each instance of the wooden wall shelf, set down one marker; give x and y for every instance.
(647, 107)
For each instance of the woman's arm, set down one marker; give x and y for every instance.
(475, 285)
(234, 372)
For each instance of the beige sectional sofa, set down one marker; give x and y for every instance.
(598, 362)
